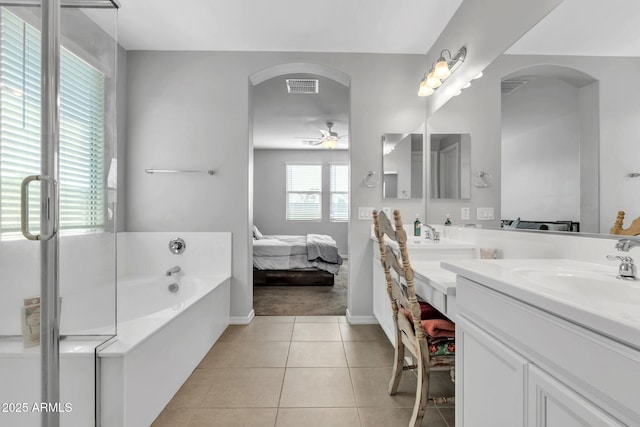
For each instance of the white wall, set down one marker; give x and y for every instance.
(541, 152)
(269, 186)
(477, 111)
(191, 110)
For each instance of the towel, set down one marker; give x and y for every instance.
(427, 311)
(439, 328)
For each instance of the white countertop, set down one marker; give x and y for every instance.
(435, 276)
(584, 293)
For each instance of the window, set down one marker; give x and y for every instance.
(304, 192)
(339, 192)
(82, 107)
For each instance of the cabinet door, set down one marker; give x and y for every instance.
(553, 404)
(490, 380)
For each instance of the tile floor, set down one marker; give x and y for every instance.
(301, 371)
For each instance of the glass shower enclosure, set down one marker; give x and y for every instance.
(57, 207)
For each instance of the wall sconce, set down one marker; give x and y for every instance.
(440, 71)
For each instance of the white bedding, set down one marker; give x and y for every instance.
(286, 252)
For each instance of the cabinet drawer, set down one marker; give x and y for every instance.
(431, 295)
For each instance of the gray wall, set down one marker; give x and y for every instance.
(478, 112)
(191, 110)
(269, 200)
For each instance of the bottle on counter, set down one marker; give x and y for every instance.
(448, 220)
(417, 226)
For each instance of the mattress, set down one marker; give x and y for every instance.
(286, 252)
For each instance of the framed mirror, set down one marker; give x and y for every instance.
(402, 165)
(450, 165)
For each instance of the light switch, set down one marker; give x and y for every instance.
(364, 213)
(484, 214)
(465, 213)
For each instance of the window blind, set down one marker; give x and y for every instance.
(339, 210)
(81, 161)
(304, 192)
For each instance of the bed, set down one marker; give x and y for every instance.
(310, 259)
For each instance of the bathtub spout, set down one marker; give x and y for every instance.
(173, 270)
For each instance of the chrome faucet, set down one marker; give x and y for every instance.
(625, 244)
(430, 233)
(173, 270)
(627, 269)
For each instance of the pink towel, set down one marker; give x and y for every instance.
(439, 328)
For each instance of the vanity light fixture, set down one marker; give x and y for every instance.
(441, 70)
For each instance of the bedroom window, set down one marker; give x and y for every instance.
(304, 192)
(339, 211)
(82, 109)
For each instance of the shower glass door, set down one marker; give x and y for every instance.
(57, 207)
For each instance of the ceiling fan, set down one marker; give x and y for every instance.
(329, 139)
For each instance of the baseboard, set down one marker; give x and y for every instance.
(242, 320)
(361, 320)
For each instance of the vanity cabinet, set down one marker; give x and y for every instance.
(519, 365)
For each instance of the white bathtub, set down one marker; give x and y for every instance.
(161, 338)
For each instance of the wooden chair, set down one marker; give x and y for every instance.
(406, 308)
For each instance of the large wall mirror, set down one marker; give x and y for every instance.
(557, 128)
(450, 165)
(402, 165)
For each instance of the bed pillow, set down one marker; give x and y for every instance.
(256, 233)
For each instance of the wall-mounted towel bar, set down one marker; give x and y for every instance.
(209, 171)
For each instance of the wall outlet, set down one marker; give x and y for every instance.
(484, 214)
(364, 213)
(465, 213)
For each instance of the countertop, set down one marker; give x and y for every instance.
(587, 294)
(435, 276)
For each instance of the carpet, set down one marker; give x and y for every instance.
(296, 300)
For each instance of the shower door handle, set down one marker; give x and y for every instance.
(51, 208)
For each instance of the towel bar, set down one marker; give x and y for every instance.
(152, 171)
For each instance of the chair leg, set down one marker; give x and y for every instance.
(398, 363)
(422, 394)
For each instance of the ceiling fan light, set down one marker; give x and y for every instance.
(432, 80)
(441, 70)
(330, 142)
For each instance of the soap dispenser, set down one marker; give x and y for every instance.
(448, 220)
(417, 226)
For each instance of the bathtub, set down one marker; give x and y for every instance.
(161, 338)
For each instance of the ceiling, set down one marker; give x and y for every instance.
(367, 26)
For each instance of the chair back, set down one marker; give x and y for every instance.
(397, 270)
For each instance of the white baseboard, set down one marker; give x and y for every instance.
(242, 320)
(361, 320)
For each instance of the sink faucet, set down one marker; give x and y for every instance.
(625, 244)
(430, 232)
(173, 270)
(627, 269)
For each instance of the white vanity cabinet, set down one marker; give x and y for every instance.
(432, 283)
(518, 364)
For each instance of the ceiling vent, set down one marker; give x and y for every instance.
(302, 85)
(507, 87)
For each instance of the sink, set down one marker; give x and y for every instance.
(578, 284)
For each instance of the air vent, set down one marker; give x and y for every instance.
(302, 85)
(507, 87)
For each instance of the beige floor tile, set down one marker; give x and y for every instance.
(274, 319)
(316, 319)
(243, 387)
(369, 354)
(371, 387)
(266, 331)
(173, 417)
(240, 417)
(232, 333)
(449, 415)
(316, 355)
(317, 388)
(394, 417)
(342, 319)
(317, 417)
(362, 332)
(316, 332)
(249, 354)
(193, 390)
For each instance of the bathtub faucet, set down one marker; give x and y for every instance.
(173, 270)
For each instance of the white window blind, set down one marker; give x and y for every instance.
(81, 180)
(339, 210)
(304, 192)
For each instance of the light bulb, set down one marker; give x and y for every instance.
(433, 81)
(441, 70)
(424, 90)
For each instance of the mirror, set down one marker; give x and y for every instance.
(450, 165)
(402, 165)
(581, 160)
